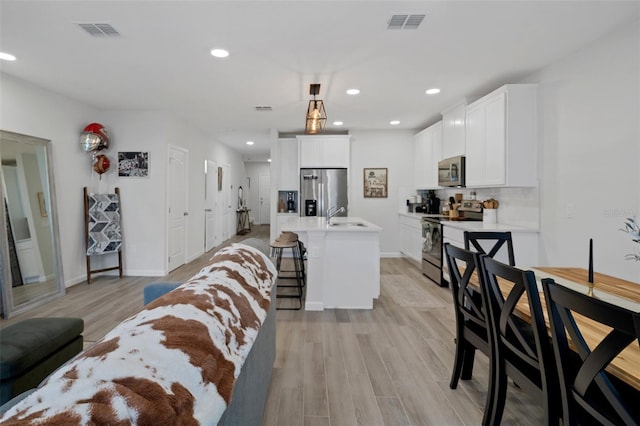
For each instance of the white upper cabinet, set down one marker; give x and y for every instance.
(324, 151)
(502, 138)
(426, 154)
(453, 131)
(288, 164)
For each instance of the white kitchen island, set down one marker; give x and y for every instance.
(343, 261)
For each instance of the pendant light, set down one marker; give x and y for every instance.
(316, 115)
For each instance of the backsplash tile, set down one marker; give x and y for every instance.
(518, 206)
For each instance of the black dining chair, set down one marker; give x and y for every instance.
(589, 392)
(471, 319)
(498, 239)
(519, 338)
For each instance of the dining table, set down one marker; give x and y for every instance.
(617, 291)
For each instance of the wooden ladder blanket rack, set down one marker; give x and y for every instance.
(112, 246)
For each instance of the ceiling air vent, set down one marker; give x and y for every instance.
(405, 22)
(263, 108)
(100, 30)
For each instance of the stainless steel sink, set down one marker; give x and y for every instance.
(348, 224)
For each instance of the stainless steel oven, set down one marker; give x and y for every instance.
(432, 249)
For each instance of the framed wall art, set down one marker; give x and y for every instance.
(133, 164)
(42, 204)
(375, 183)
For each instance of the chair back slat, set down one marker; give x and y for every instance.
(587, 388)
(468, 299)
(499, 239)
(472, 329)
(519, 340)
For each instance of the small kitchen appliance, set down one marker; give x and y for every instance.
(433, 203)
(291, 202)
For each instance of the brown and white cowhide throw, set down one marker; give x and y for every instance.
(173, 363)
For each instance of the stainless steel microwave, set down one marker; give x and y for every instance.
(451, 171)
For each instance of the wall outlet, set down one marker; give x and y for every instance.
(570, 211)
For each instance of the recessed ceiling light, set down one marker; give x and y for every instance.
(269, 160)
(432, 91)
(394, 122)
(353, 91)
(7, 56)
(219, 53)
(338, 123)
(249, 142)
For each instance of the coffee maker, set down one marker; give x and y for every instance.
(433, 203)
(291, 202)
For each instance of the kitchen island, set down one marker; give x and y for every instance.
(343, 261)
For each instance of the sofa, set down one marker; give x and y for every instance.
(200, 354)
(32, 349)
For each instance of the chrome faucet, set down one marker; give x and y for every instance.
(332, 211)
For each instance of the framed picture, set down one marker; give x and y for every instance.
(133, 164)
(43, 206)
(219, 178)
(375, 183)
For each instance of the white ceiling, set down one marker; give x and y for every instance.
(161, 59)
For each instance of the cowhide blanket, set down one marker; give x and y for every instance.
(173, 363)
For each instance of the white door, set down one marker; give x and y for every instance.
(264, 190)
(177, 198)
(212, 234)
(229, 211)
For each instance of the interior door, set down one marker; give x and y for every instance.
(212, 234)
(177, 198)
(229, 211)
(264, 188)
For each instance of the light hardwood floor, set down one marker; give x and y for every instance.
(386, 366)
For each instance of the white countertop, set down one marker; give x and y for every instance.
(413, 215)
(339, 224)
(488, 227)
(474, 225)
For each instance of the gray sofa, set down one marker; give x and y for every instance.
(249, 393)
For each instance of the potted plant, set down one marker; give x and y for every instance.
(632, 227)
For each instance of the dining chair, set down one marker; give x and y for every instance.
(499, 239)
(519, 338)
(589, 392)
(471, 319)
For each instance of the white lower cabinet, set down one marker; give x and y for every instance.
(411, 237)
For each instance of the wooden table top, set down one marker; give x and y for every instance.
(614, 290)
(625, 293)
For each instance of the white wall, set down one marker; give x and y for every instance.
(251, 192)
(392, 149)
(33, 111)
(590, 149)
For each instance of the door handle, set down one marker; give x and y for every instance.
(185, 214)
(207, 210)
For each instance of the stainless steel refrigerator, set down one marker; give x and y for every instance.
(321, 190)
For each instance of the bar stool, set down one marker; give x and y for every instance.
(302, 251)
(289, 240)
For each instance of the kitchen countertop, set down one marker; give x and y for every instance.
(310, 224)
(487, 227)
(471, 225)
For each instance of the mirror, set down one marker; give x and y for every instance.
(30, 255)
(240, 199)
